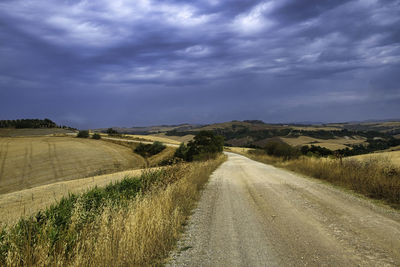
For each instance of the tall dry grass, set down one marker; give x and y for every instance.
(375, 177)
(140, 232)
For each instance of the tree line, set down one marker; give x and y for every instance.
(285, 151)
(31, 123)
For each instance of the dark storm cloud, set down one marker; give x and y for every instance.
(101, 63)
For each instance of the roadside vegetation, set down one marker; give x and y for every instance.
(376, 178)
(133, 222)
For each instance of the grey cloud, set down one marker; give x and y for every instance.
(178, 61)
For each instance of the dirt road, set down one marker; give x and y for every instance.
(252, 214)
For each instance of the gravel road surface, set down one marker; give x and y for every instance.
(252, 214)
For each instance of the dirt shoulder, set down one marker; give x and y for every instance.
(252, 214)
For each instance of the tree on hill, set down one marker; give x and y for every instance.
(203, 146)
(111, 131)
(283, 150)
(28, 123)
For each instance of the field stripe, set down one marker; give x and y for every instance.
(4, 152)
(51, 158)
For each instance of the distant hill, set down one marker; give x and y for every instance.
(256, 133)
(334, 136)
(146, 130)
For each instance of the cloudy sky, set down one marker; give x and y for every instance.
(144, 62)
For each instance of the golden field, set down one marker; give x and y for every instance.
(332, 144)
(146, 138)
(179, 139)
(26, 162)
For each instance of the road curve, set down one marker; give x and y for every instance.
(252, 214)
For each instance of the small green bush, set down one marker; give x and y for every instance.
(148, 150)
(83, 134)
(96, 136)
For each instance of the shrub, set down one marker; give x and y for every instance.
(148, 150)
(181, 152)
(96, 136)
(316, 151)
(111, 131)
(205, 145)
(283, 150)
(156, 148)
(83, 134)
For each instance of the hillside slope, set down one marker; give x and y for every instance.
(31, 161)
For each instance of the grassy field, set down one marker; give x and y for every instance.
(26, 162)
(133, 222)
(332, 144)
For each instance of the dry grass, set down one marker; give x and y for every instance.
(30, 162)
(373, 177)
(147, 138)
(166, 154)
(146, 232)
(29, 201)
(392, 156)
(138, 234)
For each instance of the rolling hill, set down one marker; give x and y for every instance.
(27, 162)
